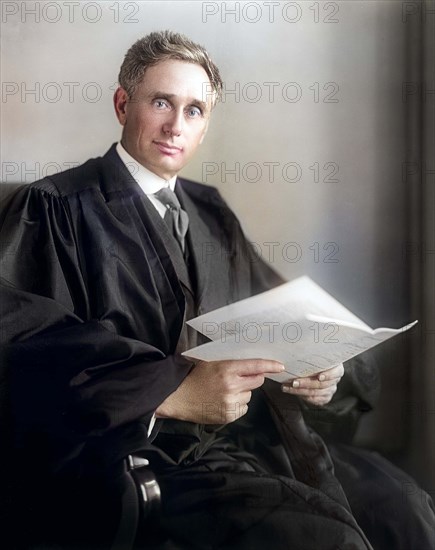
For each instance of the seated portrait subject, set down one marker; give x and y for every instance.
(102, 265)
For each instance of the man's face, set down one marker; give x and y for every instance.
(167, 117)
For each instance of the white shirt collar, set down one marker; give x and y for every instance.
(149, 182)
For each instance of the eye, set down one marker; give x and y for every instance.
(194, 112)
(160, 104)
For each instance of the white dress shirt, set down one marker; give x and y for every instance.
(149, 182)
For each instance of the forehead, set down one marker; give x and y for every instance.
(177, 78)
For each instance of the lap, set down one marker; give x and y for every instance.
(228, 502)
(243, 493)
(247, 510)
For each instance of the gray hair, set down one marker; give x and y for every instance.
(160, 46)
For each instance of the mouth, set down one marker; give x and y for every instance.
(167, 149)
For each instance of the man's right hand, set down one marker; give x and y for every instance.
(217, 392)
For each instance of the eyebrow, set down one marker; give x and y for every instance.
(170, 97)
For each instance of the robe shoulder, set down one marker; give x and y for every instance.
(73, 180)
(205, 192)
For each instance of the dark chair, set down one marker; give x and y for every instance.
(140, 502)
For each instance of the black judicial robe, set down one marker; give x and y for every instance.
(93, 303)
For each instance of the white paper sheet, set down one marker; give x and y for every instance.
(297, 323)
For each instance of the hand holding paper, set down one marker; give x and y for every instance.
(217, 392)
(318, 389)
(297, 323)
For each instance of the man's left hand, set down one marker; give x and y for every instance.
(318, 389)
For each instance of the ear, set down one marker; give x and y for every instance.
(120, 102)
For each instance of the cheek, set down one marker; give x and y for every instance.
(197, 138)
(142, 122)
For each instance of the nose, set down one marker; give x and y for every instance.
(173, 126)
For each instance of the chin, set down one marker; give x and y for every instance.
(171, 169)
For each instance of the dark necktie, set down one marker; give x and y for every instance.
(175, 217)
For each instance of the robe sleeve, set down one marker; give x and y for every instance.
(71, 375)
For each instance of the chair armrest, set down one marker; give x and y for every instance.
(146, 485)
(140, 502)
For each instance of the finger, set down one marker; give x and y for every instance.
(334, 372)
(235, 409)
(249, 382)
(310, 393)
(249, 367)
(320, 380)
(306, 392)
(228, 410)
(318, 401)
(244, 397)
(243, 410)
(309, 383)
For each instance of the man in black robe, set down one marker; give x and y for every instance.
(97, 285)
